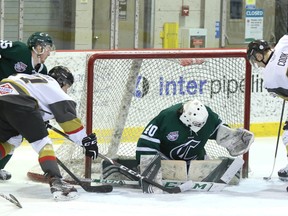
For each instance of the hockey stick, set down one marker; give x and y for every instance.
(177, 189)
(277, 143)
(11, 199)
(195, 186)
(88, 188)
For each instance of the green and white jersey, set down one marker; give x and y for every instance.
(168, 135)
(16, 57)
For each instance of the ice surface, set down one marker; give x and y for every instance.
(254, 196)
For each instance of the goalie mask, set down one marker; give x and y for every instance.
(62, 75)
(194, 115)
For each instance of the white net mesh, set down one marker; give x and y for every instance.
(129, 92)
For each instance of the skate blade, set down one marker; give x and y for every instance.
(59, 196)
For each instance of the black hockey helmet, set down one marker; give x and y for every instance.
(256, 46)
(62, 75)
(40, 38)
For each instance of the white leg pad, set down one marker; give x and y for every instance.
(199, 169)
(174, 170)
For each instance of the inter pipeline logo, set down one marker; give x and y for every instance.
(181, 86)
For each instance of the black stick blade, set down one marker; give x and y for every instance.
(98, 189)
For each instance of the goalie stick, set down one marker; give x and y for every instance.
(88, 188)
(177, 189)
(195, 186)
(11, 199)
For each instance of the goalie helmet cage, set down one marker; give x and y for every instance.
(125, 89)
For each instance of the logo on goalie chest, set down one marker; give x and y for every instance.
(172, 136)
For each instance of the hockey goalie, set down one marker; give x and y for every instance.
(172, 146)
(180, 133)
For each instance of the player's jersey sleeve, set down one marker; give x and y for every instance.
(16, 57)
(149, 141)
(66, 117)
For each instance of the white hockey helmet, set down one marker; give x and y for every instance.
(194, 115)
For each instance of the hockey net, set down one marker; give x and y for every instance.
(124, 90)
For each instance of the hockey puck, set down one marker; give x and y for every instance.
(267, 178)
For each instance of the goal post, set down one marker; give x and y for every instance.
(221, 78)
(122, 90)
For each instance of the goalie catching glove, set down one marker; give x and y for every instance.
(236, 141)
(90, 145)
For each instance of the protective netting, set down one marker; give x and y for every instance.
(128, 93)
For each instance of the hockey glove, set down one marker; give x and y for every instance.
(90, 145)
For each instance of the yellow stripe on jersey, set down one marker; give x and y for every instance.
(72, 126)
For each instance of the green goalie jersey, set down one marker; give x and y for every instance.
(16, 57)
(168, 135)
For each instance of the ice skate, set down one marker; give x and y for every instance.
(61, 190)
(4, 175)
(283, 174)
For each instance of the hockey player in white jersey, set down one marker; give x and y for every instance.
(274, 64)
(26, 102)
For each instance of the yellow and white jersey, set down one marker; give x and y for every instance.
(53, 102)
